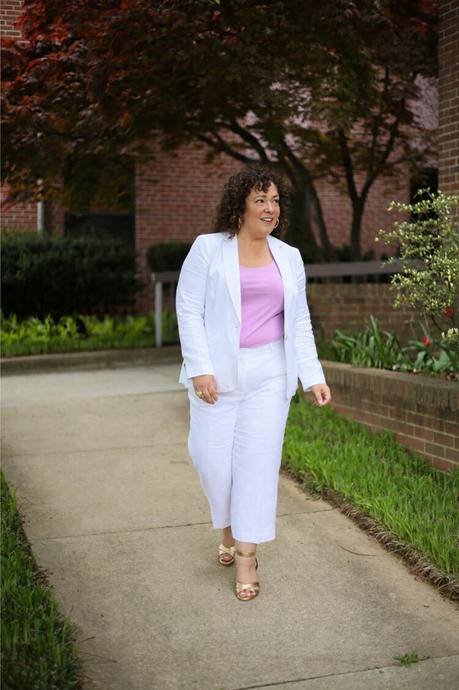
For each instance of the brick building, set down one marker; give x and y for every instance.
(22, 215)
(158, 216)
(448, 97)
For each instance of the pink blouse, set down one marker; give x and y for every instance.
(262, 304)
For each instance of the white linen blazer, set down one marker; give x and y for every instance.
(208, 304)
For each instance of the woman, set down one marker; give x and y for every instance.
(246, 337)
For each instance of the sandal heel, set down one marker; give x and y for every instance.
(252, 587)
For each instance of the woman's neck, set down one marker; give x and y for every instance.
(253, 252)
(254, 246)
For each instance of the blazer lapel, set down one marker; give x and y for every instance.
(279, 251)
(232, 273)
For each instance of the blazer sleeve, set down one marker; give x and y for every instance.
(310, 370)
(190, 308)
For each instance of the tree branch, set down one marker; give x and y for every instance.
(251, 139)
(307, 178)
(388, 150)
(222, 146)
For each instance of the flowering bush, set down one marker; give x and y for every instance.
(429, 252)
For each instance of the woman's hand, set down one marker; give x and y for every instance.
(206, 384)
(321, 393)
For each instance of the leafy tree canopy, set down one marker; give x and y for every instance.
(322, 90)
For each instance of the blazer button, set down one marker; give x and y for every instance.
(285, 337)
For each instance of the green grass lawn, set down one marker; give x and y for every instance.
(415, 503)
(38, 650)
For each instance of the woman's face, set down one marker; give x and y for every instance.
(261, 213)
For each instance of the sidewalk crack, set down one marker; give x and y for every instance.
(337, 675)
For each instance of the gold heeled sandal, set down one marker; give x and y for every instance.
(252, 587)
(223, 550)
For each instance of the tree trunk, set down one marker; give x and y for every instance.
(356, 228)
(300, 232)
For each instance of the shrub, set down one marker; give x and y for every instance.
(168, 256)
(429, 252)
(65, 275)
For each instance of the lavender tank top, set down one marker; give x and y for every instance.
(262, 305)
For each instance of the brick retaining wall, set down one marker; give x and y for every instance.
(422, 412)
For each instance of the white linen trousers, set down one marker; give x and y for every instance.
(236, 444)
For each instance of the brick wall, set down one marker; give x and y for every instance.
(422, 413)
(337, 209)
(19, 216)
(448, 95)
(9, 12)
(347, 306)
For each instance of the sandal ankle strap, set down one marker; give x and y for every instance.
(246, 554)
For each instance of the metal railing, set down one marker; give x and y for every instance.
(340, 269)
(351, 268)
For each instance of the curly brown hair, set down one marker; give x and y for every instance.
(237, 189)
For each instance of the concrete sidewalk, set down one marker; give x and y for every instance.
(116, 515)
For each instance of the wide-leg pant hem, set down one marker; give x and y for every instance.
(251, 538)
(254, 539)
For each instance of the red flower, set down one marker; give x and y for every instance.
(426, 340)
(449, 312)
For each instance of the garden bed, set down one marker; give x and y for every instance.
(405, 503)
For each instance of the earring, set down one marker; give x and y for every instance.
(239, 222)
(276, 224)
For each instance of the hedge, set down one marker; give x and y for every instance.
(43, 275)
(168, 256)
